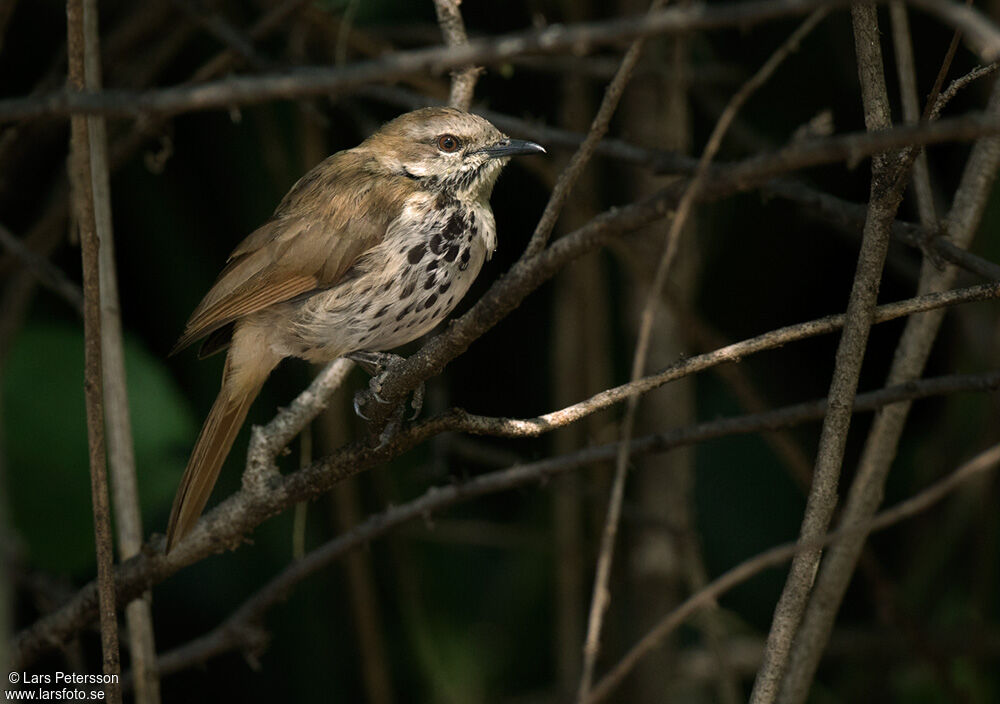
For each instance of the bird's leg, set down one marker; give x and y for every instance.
(378, 364)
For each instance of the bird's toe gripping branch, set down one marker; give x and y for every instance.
(380, 365)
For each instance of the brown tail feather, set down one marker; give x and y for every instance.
(210, 451)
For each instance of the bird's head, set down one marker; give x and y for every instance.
(448, 149)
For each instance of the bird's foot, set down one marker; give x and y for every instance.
(379, 365)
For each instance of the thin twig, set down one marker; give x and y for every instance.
(735, 352)
(889, 172)
(832, 209)
(816, 202)
(958, 84)
(225, 525)
(225, 32)
(598, 128)
(984, 461)
(121, 453)
(601, 596)
(46, 272)
(77, 12)
(463, 79)
(880, 447)
(247, 618)
(312, 81)
(906, 71)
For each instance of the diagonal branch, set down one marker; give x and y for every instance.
(880, 447)
(225, 525)
(982, 35)
(598, 128)
(890, 172)
(983, 462)
(601, 595)
(243, 626)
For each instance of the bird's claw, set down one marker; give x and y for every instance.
(378, 364)
(357, 407)
(417, 401)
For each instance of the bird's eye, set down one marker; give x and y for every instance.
(448, 143)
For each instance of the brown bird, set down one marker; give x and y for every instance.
(369, 250)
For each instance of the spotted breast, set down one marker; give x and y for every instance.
(403, 287)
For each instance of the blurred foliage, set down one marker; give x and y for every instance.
(49, 469)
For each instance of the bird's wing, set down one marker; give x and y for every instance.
(329, 218)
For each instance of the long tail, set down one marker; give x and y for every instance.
(214, 442)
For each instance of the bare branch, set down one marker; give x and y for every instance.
(313, 81)
(579, 38)
(852, 215)
(880, 448)
(598, 128)
(47, 273)
(890, 172)
(81, 23)
(463, 80)
(233, 632)
(224, 526)
(906, 71)
(983, 462)
(601, 595)
(118, 423)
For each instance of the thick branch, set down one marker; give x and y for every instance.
(890, 171)
(225, 526)
(983, 462)
(578, 38)
(880, 447)
(246, 620)
(81, 157)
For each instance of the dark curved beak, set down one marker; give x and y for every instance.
(512, 147)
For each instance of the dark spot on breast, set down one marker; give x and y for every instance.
(437, 243)
(444, 287)
(388, 284)
(366, 289)
(408, 290)
(416, 253)
(365, 306)
(362, 339)
(465, 260)
(403, 313)
(450, 299)
(457, 224)
(382, 311)
(430, 301)
(433, 265)
(449, 256)
(396, 329)
(429, 283)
